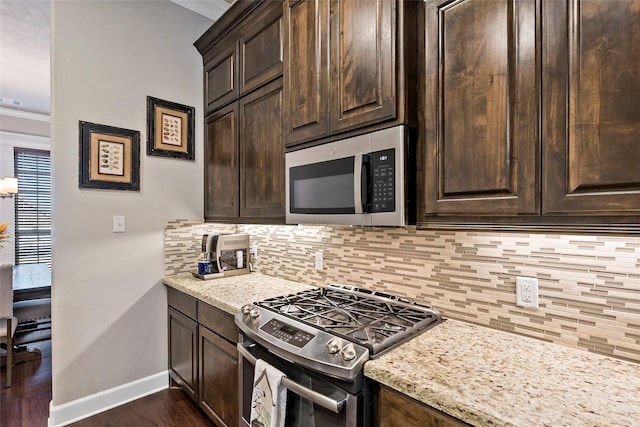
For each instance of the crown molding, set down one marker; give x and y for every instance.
(28, 115)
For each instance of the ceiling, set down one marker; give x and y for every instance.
(25, 27)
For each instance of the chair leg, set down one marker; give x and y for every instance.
(9, 350)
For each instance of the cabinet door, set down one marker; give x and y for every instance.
(218, 378)
(261, 47)
(399, 410)
(221, 180)
(262, 185)
(306, 77)
(591, 97)
(481, 108)
(363, 80)
(221, 77)
(183, 340)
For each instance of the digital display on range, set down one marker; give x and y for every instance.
(287, 333)
(289, 330)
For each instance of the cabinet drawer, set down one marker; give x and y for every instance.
(399, 410)
(182, 302)
(218, 321)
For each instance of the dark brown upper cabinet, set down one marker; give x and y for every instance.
(262, 174)
(260, 46)
(244, 143)
(244, 159)
(348, 65)
(221, 165)
(481, 108)
(241, 52)
(531, 115)
(306, 73)
(221, 78)
(591, 125)
(363, 63)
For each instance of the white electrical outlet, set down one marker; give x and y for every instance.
(254, 250)
(319, 260)
(527, 292)
(119, 224)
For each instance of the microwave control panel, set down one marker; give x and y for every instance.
(383, 181)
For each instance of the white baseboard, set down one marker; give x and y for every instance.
(67, 413)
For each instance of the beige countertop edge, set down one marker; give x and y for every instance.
(479, 375)
(231, 293)
(474, 373)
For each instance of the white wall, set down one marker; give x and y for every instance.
(109, 306)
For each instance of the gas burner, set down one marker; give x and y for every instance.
(290, 309)
(375, 320)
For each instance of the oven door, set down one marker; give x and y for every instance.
(312, 400)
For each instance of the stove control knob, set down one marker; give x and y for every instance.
(246, 309)
(333, 346)
(254, 312)
(348, 352)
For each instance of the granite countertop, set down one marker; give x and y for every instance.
(478, 375)
(492, 378)
(231, 293)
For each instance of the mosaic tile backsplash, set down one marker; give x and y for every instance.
(589, 286)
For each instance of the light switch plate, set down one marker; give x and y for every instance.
(119, 224)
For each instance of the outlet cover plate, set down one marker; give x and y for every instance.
(527, 292)
(319, 260)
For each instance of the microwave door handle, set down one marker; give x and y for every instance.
(302, 391)
(357, 183)
(361, 186)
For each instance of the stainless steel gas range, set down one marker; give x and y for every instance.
(321, 338)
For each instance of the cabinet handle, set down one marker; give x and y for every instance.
(302, 391)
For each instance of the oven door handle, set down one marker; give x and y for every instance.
(302, 391)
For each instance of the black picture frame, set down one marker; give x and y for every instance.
(109, 157)
(170, 129)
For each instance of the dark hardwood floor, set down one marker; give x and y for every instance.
(167, 408)
(26, 403)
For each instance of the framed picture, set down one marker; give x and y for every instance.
(170, 129)
(109, 157)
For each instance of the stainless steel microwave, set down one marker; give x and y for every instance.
(363, 180)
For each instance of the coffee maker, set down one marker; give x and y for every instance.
(224, 255)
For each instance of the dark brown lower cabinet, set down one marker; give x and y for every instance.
(218, 378)
(398, 410)
(203, 359)
(183, 339)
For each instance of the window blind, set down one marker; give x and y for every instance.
(32, 207)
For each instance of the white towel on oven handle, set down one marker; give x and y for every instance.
(269, 396)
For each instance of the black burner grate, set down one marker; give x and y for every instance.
(375, 320)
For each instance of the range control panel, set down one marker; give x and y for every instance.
(384, 184)
(287, 333)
